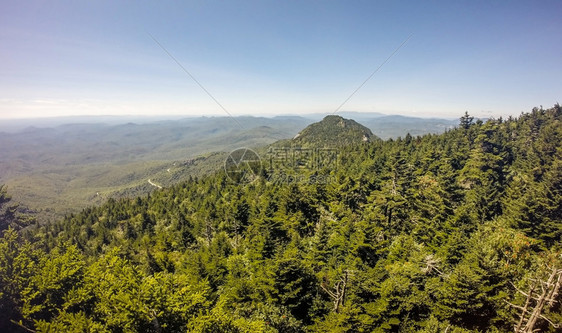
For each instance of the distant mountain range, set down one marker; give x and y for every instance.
(382, 125)
(63, 168)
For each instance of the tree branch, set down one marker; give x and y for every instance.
(23, 326)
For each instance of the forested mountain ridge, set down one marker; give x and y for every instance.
(458, 232)
(334, 131)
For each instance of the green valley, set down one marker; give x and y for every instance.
(65, 166)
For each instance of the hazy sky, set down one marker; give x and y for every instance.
(491, 58)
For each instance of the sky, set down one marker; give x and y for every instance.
(73, 58)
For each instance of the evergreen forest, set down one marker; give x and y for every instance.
(456, 232)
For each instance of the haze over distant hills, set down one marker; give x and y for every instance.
(383, 125)
(58, 165)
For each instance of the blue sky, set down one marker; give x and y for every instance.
(492, 58)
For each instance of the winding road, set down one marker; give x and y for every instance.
(156, 185)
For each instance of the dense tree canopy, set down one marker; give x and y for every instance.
(9, 214)
(459, 232)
